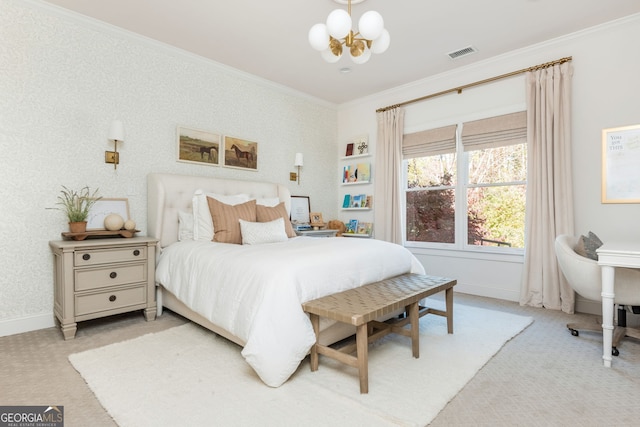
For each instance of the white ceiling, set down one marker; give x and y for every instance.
(269, 38)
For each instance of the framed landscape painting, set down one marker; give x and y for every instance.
(240, 153)
(198, 146)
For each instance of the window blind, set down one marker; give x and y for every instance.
(492, 132)
(429, 142)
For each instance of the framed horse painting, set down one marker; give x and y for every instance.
(240, 153)
(198, 146)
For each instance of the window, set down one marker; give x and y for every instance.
(477, 168)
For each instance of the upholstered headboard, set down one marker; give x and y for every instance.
(169, 193)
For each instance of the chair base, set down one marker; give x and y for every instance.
(619, 332)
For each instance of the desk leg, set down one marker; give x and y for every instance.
(315, 322)
(608, 275)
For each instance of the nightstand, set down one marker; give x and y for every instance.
(318, 233)
(101, 277)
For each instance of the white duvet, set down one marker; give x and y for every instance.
(255, 291)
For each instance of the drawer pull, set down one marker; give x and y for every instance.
(112, 298)
(113, 275)
(136, 252)
(86, 257)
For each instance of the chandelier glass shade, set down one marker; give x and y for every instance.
(332, 37)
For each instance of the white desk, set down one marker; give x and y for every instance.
(610, 256)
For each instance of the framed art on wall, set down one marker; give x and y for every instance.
(240, 153)
(198, 146)
(620, 160)
(104, 207)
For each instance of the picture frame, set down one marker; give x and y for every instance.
(316, 219)
(198, 146)
(620, 160)
(104, 207)
(300, 209)
(240, 153)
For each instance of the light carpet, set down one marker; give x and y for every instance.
(189, 376)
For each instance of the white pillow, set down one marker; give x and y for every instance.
(268, 201)
(185, 226)
(202, 222)
(256, 233)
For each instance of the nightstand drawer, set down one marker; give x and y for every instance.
(103, 301)
(107, 256)
(109, 276)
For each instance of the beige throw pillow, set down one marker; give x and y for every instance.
(226, 219)
(267, 214)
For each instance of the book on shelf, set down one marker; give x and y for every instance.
(368, 203)
(363, 172)
(349, 149)
(360, 172)
(356, 200)
(352, 226)
(346, 203)
(364, 228)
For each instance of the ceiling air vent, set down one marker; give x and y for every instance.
(462, 52)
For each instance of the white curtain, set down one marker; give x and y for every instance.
(549, 186)
(388, 187)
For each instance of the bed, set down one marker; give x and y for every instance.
(251, 294)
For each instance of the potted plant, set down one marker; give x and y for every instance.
(77, 205)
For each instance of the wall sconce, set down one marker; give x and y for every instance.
(116, 133)
(293, 176)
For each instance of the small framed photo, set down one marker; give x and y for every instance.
(198, 146)
(104, 207)
(316, 219)
(240, 153)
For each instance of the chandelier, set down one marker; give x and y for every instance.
(330, 38)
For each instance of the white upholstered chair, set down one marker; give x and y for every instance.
(585, 277)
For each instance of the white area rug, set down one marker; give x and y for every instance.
(189, 376)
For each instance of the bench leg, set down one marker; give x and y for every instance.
(362, 349)
(315, 322)
(413, 312)
(449, 302)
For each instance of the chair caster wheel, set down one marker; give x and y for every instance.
(614, 351)
(574, 332)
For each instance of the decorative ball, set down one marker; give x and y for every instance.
(113, 222)
(129, 224)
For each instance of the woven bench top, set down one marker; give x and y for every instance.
(369, 302)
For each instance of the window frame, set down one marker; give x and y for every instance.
(461, 203)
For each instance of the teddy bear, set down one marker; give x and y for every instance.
(335, 224)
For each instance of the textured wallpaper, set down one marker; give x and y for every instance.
(63, 79)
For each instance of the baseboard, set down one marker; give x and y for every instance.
(26, 324)
(485, 291)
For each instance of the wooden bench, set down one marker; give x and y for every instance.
(363, 305)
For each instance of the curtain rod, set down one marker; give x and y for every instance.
(467, 86)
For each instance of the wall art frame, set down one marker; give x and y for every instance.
(240, 153)
(198, 146)
(620, 160)
(104, 207)
(300, 209)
